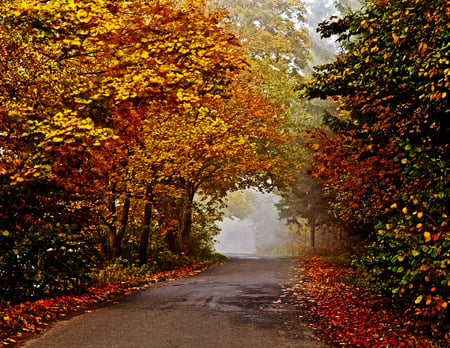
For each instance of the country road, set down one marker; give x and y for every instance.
(238, 304)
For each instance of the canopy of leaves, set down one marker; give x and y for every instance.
(390, 163)
(113, 115)
(275, 40)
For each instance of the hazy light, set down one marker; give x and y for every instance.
(237, 237)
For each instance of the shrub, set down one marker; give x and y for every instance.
(411, 254)
(39, 262)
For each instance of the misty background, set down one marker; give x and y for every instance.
(251, 224)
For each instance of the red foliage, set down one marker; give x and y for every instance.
(350, 316)
(33, 317)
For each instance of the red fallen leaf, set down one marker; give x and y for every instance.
(347, 315)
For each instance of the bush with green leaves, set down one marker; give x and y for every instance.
(411, 255)
(40, 262)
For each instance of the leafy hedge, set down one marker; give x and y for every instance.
(412, 252)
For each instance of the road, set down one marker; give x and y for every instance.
(238, 304)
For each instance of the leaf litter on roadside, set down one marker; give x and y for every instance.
(347, 316)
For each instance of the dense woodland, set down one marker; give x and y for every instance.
(123, 126)
(126, 124)
(386, 171)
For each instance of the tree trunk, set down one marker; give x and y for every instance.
(117, 234)
(185, 221)
(146, 226)
(172, 240)
(186, 227)
(124, 219)
(312, 235)
(114, 243)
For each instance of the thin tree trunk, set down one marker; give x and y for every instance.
(186, 220)
(114, 243)
(313, 236)
(116, 234)
(146, 227)
(123, 224)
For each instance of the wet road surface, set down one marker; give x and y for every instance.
(238, 304)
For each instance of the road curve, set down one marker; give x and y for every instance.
(234, 305)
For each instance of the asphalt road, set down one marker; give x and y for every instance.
(238, 304)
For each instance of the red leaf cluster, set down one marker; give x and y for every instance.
(349, 316)
(32, 317)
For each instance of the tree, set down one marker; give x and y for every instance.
(305, 200)
(383, 168)
(52, 155)
(215, 157)
(275, 41)
(114, 116)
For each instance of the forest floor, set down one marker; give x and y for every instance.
(345, 315)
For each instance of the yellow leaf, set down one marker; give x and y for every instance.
(395, 37)
(418, 299)
(427, 236)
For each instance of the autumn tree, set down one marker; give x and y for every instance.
(52, 153)
(217, 156)
(114, 116)
(388, 167)
(276, 41)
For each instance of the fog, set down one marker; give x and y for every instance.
(251, 225)
(237, 237)
(324, 50)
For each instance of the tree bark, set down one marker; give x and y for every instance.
(117, 233)
(146, 227)
(313, 235)
(185, 221)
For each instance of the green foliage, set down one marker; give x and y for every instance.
(38, 262)
(412, 251)
(391, 168)
(397, 65)
(162, 258)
